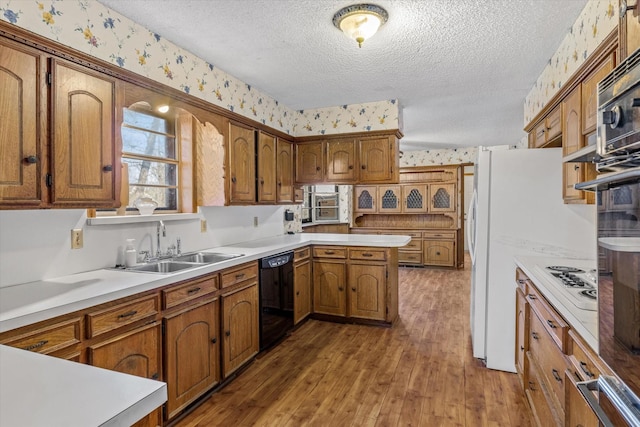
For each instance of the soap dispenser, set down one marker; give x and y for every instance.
(130, 254)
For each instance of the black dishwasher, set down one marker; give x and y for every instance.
(276, 298)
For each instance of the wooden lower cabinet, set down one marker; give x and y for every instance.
(136, 353)
(329, 296)
(522, 326)
(537, 396)
(192, 354)
(439, 252)
(578, 413)
(240, 323)
(302, 289)
(367, 287)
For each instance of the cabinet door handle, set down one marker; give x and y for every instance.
(588, 373)
(193, 290)
(36, 345)
(214, 340)
(551, 324)
(556, 375)
(318, 168)
(364, 167)
(340, 288)
(534, 335)
(521, 281)
(155, 376)
(233, 179)
(532, 386)
(350, 166)
(353, 289)
(127, 314)
(107, 168)
(279, 184)
(521, 348)
(262, 181)
(31, 159)
(437, 253)
(576, 167)
(298, 293)
(227, 333)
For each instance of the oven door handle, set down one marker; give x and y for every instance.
(610, 180)
(620, 396)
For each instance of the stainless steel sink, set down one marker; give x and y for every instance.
(168, 266)
(182, 262)
(205, 257)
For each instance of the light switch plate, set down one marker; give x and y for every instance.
(76, 238)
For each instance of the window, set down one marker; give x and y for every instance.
(150, 150)
(321, 204)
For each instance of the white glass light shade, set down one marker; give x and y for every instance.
(360, 21)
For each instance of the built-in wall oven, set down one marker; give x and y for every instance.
(618, 229)
(276, 298)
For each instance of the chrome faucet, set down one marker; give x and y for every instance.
(179, 249)
(160, 228)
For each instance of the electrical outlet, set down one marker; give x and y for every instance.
(255, 221)
(203, 225)
(76, 238)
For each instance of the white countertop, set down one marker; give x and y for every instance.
(584, 322)
(32, 302)
(38, 390)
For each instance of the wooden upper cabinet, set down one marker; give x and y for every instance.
(284, 171)
(572, 141)
(310, 162)
(341, 160)
(83, 118)
(376, 156)
(266, 168)
(22, 125)
(241, 164)
(590, 94)
(389, 199)
(415, 198)
(365, 199)
(442, 198)
(548, 130)
(629, 32)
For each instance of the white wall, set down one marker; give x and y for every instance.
(36, 244)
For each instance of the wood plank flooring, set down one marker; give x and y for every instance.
(418, 373)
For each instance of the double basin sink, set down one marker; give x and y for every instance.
(183, 262)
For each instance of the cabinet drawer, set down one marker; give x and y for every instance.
(552, 322)
(301, 254)
(120, 315)
(583, 359)
(401, 233)
(522, 280)
(177, 295)
(48, 339)
(329, 252)
(368, 254)
(536, 395)
(409, 257)
(415, 244)
(549, 358)
(245, 272)
(439, 234)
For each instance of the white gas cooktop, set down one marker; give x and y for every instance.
(573, 283)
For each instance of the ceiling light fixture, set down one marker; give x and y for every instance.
(360, 21)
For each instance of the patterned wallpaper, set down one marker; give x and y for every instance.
(597, 20)
(438, 157)
(94, 29)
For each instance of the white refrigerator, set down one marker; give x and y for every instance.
(516, 209)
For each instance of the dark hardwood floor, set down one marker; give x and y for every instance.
(418, 373)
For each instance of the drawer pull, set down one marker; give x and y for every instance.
(534, 335)
(214, 340)
(155, 376)
(367, 255)
(227, 333)
(239, 276)
(194, 290)
(353, 289)
(532, 386)
(521, 281)
(298, 293)
(551, 324)
(588, 373)
(329, 252)
(521, 348)
(556, 375)
(36, 345)
(531, 296)
(340, 288)
(127, 314)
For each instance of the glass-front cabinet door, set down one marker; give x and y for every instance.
(389, 199)
(443, 198)
(414, 198)
(365, 199)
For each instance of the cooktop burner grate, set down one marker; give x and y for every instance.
(589, 293)
(564, 269)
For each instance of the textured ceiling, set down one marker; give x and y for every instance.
(459, 68)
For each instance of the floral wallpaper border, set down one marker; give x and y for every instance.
(92, 28)
(595, 23)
